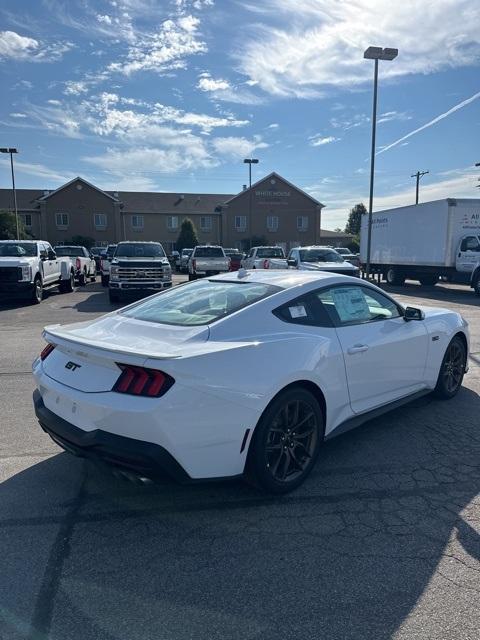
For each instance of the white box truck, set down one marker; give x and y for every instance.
(425, 242)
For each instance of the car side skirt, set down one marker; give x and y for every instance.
(357, 421)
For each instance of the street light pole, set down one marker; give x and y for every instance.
(250, 161)
(376, 54)
(11, 151)
(418, 175)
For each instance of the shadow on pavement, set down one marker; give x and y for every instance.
(383, 517)
(439, 292)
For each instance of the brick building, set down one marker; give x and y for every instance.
(281, 213)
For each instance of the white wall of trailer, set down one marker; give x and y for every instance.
(427, 234)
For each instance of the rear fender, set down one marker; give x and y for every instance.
(65, 269)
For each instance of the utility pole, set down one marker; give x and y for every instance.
(250, 161)
(418, 175)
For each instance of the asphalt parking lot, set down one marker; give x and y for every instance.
(382, 541)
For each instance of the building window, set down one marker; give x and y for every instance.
(302, 223)
(172, 223)
(137, 223)
(205, 223)
(26, 219)
(240, 223)
(272, 223)
(100, 220)
(61, 220)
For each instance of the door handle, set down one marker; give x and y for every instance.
(357, 348)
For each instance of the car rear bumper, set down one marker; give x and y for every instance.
(128, 454)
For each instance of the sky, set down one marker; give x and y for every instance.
(172, 95)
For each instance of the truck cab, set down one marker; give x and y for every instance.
(467, 260)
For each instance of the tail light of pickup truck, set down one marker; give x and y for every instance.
(266, 264)
(78, 264)
(194, 265)
(140, 381)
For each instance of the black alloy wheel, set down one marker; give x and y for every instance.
(452, 370)
(286, 442)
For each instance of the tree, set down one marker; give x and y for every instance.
(354, 222)
(81, 241)
(187, 238)
(8, 227)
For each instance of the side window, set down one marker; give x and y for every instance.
(43, 250)
(305, 310)
(470, 244)
(348, 305)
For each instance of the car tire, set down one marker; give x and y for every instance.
(105, 280)
(37, 293)
(93, 277)
(428, 281)
(395, 278)
(67, 286)
(286, 442)
(192, 276)
(113, 296)
(476, 283)
(452, 369)
(82, 279)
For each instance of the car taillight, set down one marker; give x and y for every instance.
(266, 264)
(46, 351)
(78, 264)
(140, 381)
(194, 264)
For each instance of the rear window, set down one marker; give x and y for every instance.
(72, 252)
(201, 302)
(209, 252)
(273, 252)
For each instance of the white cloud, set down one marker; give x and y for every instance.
(207, 83)
(324, 43)
(55, 103)
(40, 171)
(350, 122)
(13, 46)
(442, 116)
(234, 148)
(318, 141)
(18, 115)
(274, 125)
(165, 50)
(106, 19)
(75, 87)
(388, 116)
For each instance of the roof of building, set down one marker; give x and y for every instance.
(325, 233)
(77, 179)
(26, 198)
(171, 203)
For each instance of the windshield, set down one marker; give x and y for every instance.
(200, 302)
(140, 250)
(187, 252)
(270, 252)
(343, 252)
(320, 255)
(71, 252)
(18, 249)
(209, 252)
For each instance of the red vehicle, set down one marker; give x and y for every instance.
(236, 258)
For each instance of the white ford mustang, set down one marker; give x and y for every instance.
(243, 373)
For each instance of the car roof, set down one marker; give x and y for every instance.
(27, 241)
(284, 278)
(317, 246)
(137, 242)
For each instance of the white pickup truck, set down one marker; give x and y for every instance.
(207, 261)
(105, 262)
(83, 264)
(265, 258)
(27, 267)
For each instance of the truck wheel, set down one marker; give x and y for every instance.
(428, 281)
(476, 283)
(66, 286)
(93, 277)
(82, 279)
(192, 276)
(113, 296)
(37, 293)
(395, 278)
(105, 281)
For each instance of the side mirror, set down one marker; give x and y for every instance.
(292, 262)
(412, 313)
(52, 255)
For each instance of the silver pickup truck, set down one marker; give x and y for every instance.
(207, 261)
